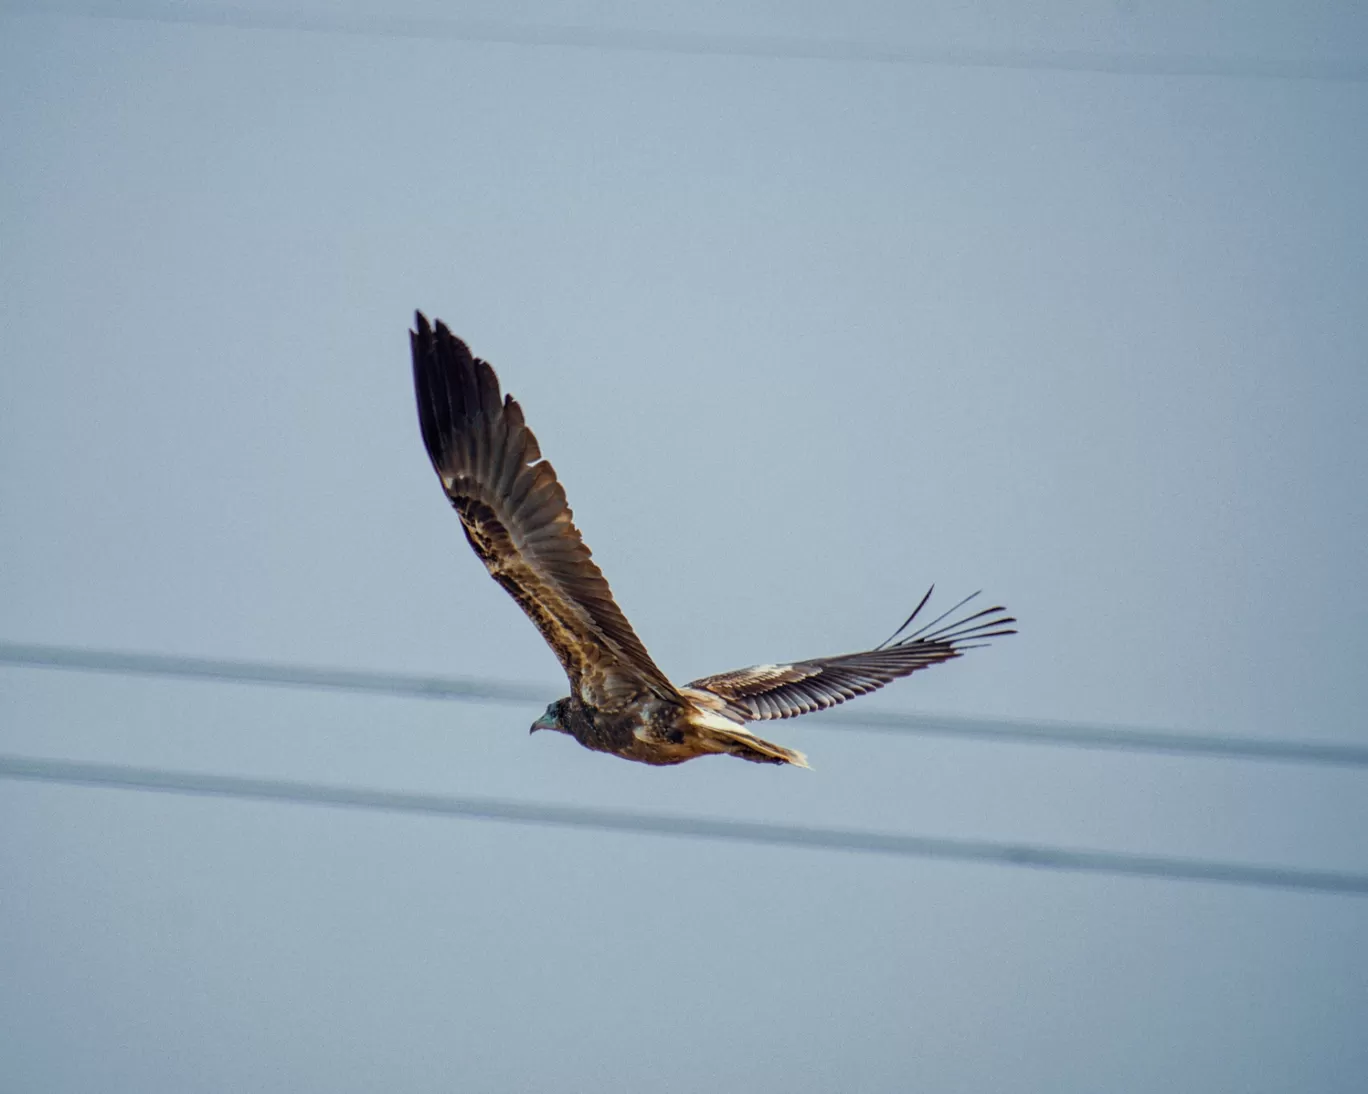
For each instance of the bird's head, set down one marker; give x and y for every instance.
(554, 718)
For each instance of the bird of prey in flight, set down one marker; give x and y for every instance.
(515, 516)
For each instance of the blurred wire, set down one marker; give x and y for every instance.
(261, 672)
(118, 776)
(775, 47)
(475, 690)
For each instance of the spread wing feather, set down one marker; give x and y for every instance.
(516, 518)
(764, 692)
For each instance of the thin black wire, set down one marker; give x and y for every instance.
(121, 777)
(772, 47)
(476, 690)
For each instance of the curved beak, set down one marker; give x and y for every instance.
(546, 721)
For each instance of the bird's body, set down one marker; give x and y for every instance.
(662, 732)
(516, 519)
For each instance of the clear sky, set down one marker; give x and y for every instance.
(801, 336)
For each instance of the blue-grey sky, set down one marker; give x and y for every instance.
(801, 336)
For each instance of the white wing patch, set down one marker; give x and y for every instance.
(708, 711)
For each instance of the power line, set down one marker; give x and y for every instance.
(479, 690)
(261, 672)
(121, 777)
(768, 47)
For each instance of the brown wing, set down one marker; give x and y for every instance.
(514, 513)
(785, 691)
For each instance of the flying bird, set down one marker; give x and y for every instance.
(515, 516)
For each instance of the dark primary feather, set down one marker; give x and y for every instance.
(764, 692)
(516, 518)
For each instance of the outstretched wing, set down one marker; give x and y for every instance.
(514, 513)
(785, 691)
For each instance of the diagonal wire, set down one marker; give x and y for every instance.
(263, 672)
(760, 46)
(121, 777)
(476, 690)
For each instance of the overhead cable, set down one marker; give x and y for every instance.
(392, 24)
(990, 852)
(471, 689)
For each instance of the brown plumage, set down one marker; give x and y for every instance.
(515, 516)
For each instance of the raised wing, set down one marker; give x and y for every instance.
(785, 691)
(515, 516)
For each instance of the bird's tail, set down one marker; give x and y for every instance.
(746, 745)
